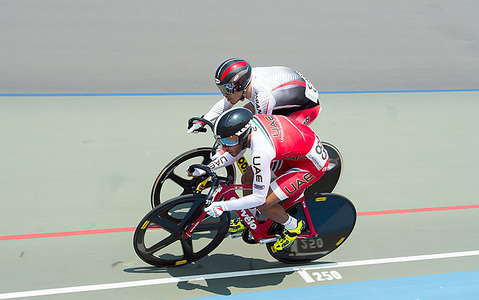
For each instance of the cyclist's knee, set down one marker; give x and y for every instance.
(270, 201)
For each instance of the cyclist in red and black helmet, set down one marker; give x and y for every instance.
(269, 90)
(233, 75)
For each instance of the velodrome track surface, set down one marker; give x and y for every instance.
(78, 172)
(94, 102)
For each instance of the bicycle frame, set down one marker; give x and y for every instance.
(329, 218)
(259, 230)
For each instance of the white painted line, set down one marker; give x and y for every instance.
(300, 269)
(303, 273)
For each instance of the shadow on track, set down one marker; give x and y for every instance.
(219, 263)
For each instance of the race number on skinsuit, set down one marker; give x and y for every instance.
(311, 93)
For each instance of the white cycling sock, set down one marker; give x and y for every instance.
(291, 224)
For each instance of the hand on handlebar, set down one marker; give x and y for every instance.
(215, 209)
(195, 172)
(196, 126)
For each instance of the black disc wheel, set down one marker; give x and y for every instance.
(333, 217)
(160, 240)
(173, 180)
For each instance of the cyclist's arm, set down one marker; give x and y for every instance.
(223, 159)
(261, 162)
(250, 107)
(263, 102)
(270, 104)
(219, 160)
(217, 109)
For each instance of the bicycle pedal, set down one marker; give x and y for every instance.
(237, 235)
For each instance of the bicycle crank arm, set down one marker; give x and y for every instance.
(268, 240)
(237, 235)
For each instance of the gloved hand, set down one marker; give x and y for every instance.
(215, 209)
(196, 125)
(195, 172)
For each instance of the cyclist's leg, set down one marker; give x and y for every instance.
(236, 225)
(293, 179)
(293, 228)
(292, 184)
(306, 116)
(272, 209)
(247, 178)
(296, 104)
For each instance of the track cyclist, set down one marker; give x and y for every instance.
(269, 90)
(301, 156)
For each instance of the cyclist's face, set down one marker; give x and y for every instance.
(236, 149)
(233, 98)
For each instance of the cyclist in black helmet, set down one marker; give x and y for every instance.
(271, 138)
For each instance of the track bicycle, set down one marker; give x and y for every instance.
(172, 180)
(178, 231)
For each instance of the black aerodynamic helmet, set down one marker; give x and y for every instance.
(233, 75)
(236, 121)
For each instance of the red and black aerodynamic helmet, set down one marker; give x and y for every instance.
(233, 75)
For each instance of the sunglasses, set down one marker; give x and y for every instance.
(226, 142)
(227, 88)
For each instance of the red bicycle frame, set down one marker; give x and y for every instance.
(258, 230)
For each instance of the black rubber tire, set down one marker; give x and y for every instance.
(179, 178)
(164, 228)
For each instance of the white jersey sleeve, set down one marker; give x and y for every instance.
(262, 100)
(217, 109)
(223, 159)
(262, 153)
(219, 160)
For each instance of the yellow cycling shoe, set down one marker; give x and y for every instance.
(236, 226)
(288, 236)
